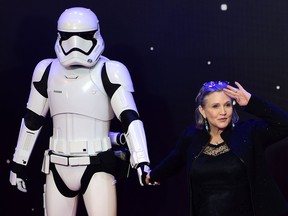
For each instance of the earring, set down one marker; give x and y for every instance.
(233, 125)
(206, 124)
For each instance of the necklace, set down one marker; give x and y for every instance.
(217, 143)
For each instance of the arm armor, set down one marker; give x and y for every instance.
(25, 144)
(37, 108)
(118, 86)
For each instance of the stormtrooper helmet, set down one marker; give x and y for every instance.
(79, 41)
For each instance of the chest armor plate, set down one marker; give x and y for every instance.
(73, 91)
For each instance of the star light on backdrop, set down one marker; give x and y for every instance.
(224, 7)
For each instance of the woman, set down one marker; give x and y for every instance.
(225, 160)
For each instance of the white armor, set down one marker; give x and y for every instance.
(81, 111)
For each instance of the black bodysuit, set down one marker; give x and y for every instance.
(219, 184)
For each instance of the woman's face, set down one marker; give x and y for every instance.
(218, 110)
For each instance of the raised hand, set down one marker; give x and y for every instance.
(240, 95)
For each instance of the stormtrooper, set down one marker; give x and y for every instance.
(84, 91)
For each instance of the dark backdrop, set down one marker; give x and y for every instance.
(171, 48)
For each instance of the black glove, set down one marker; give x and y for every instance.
(143, 169)
(18, 176)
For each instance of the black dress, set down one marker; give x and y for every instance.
(219, 184)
